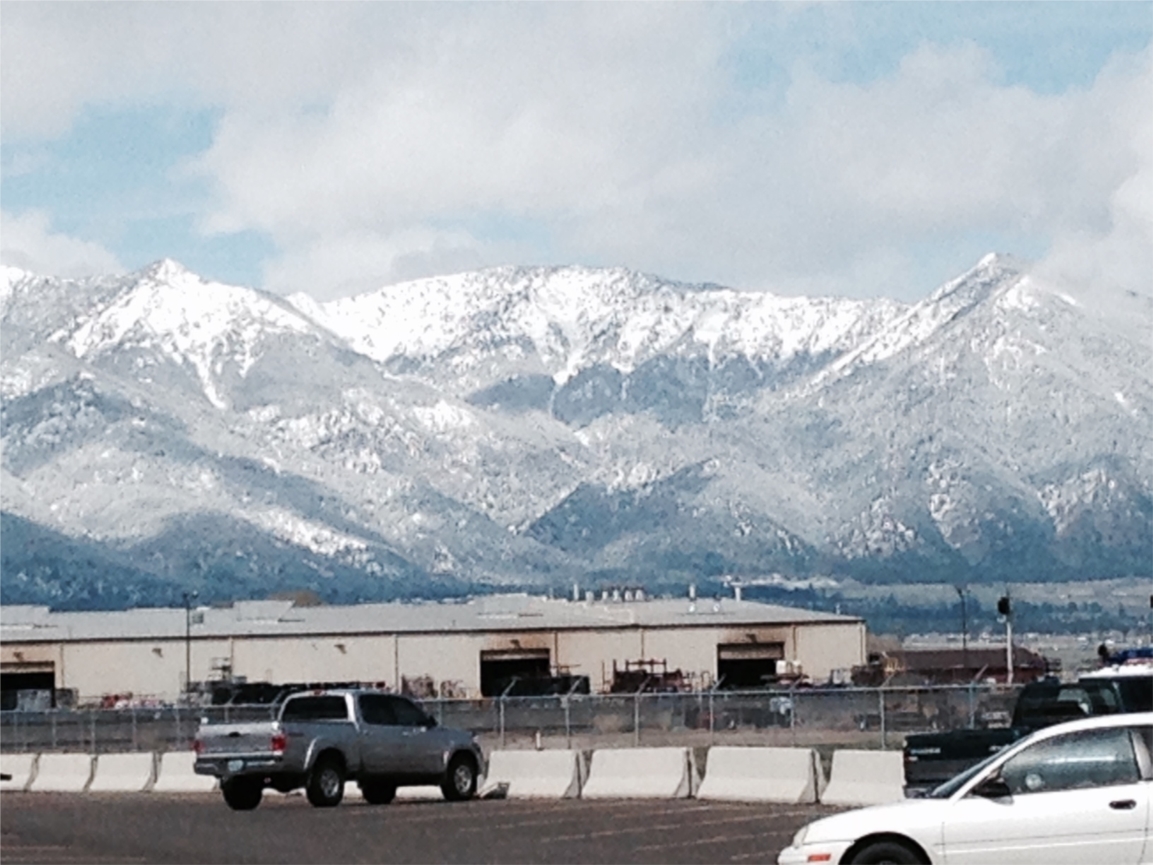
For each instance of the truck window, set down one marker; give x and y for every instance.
(376, 709)
(329, 708)
(1136, 693)
(407, 713)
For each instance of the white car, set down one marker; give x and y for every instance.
(1075, 793)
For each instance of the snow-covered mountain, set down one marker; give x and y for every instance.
(540, 426)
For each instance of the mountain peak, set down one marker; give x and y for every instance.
(165, 270)
(1001, 261)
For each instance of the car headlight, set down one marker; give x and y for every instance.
(799, 838)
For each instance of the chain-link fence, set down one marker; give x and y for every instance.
(842, 717)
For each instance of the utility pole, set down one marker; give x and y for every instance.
(964, 630)
(189, 597)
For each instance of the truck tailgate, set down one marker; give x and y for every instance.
(228, 739)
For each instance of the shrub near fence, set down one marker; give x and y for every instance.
(857, 717)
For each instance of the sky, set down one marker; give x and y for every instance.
(851, 149)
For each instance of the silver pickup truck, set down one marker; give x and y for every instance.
(323, 738)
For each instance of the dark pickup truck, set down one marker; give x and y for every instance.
(933, 758)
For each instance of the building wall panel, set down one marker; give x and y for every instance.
(314, 658)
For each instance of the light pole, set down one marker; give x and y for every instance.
(189, 597)
(964, 630)
(1005, 608)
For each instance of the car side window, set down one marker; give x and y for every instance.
(1143, 742)
(407, 714)
(1092, 758)
(376, 709)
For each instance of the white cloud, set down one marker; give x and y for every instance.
(376, 142)
(1118, 252)
(356, 262)
(28, 242)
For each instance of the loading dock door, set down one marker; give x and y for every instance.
(37, 679)
(499, 668)
(744, 666)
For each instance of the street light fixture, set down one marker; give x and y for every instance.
(189, 597)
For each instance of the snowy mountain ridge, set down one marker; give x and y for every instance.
(574, 316)
(528, 426)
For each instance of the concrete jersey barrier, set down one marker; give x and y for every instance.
(174, 775)
(534, 774)
(419, 793)
(16, 771)
(122, 773)
(865, 778)
(640, 773)
(62, 773)
(789, 775)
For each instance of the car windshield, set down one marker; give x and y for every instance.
(957, 782)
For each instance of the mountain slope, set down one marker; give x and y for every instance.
(539, 426)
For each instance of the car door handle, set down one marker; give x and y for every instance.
(1123, 804)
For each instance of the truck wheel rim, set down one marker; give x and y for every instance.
(462, 777)
(329, 783)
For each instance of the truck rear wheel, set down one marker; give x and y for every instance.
(326, 783)
(242, 794)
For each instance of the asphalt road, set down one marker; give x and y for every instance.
(143, 828)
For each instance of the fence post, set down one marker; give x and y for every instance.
(92, 727)
(712, 719)
(881, 693)
(567, 723)
(793, 714)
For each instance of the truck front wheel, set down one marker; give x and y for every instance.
(242, 794)
(326, 783)
(460, 779)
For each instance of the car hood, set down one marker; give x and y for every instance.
(910, 817)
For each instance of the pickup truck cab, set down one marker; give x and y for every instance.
(932, 758)
(321, 739)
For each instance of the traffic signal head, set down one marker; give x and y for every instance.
(1003, 607)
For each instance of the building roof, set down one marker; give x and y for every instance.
(519, 612)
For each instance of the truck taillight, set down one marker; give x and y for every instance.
(197, 746)
(279, 742)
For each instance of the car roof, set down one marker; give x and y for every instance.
(1128, 670)
(1124, 719)
(336, 692)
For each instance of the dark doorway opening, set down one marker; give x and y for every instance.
(743, 667)
(39, 683)
(500, 670)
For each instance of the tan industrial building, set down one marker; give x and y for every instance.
(461, 648)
